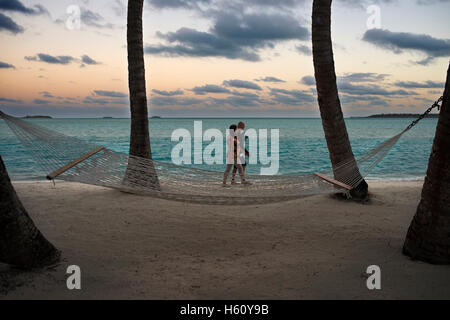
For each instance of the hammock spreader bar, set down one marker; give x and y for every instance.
(72, 164)
(332, 181)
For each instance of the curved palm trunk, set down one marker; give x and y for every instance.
(21, 243)
(139, 136)
(428, 237)
(328, 98)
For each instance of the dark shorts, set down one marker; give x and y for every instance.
(243, 165)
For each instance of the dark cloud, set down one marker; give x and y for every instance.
(88, 60)
(254, 29)
(398, 42)
(237, 101)
(42, 57)
(291, 97)
(40, 101)
(4, 65)
(174, 101)
(168, 93)
(92, 100)
(7, 24)
(192, 43)
(14, 5)
(351, 83)
(247, 95)
(17, 6)
(94, 19)
(363, 88)
(372, 101)
(370, 89)
(233, 36)
(420, 85)
(46, 94)
(106, 98)
(242, 84)
(110, 94)
(364, 77)
(210, 88)
(304, 50)
(10, 100)
(308, 80)
(63, 60)
(270, 79)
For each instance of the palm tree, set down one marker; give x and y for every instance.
(139, 136)
(21, 243)
(428, 237)
(328, 98)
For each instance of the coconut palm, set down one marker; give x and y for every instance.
(330, 107)
(428, 237)
(139, 136)
(21, 243)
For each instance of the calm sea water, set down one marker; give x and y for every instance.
(302, 144)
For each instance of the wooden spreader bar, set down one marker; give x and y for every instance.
(72, 164)
(332, 181)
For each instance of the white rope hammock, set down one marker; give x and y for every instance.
(71, 159)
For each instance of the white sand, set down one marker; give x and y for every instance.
(137, 247)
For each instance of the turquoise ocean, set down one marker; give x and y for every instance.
(302, 145)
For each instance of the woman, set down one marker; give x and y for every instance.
(241, 151)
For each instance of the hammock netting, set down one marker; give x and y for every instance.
(52, 151)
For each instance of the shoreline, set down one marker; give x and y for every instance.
(412, 179)
(138, 247)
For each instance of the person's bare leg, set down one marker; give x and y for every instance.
(233, 176)
(241, 174)
(226, 173)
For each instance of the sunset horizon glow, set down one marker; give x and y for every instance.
(209, 58)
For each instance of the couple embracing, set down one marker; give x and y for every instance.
(236, 154)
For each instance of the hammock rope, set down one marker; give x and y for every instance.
(72, 159)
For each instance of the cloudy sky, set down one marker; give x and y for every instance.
(220, 58)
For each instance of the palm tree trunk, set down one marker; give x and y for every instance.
(139, 136)
(21, 243)
(330, 107)
(428, 237)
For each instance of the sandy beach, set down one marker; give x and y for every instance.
(137, 247)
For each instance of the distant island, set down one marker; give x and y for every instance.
(107, 117)
(156, 117)
(37, 117)
(396, 116)
(401, 115)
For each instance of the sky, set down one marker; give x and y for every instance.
(215, 58)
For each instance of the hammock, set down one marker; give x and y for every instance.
(72, 159)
